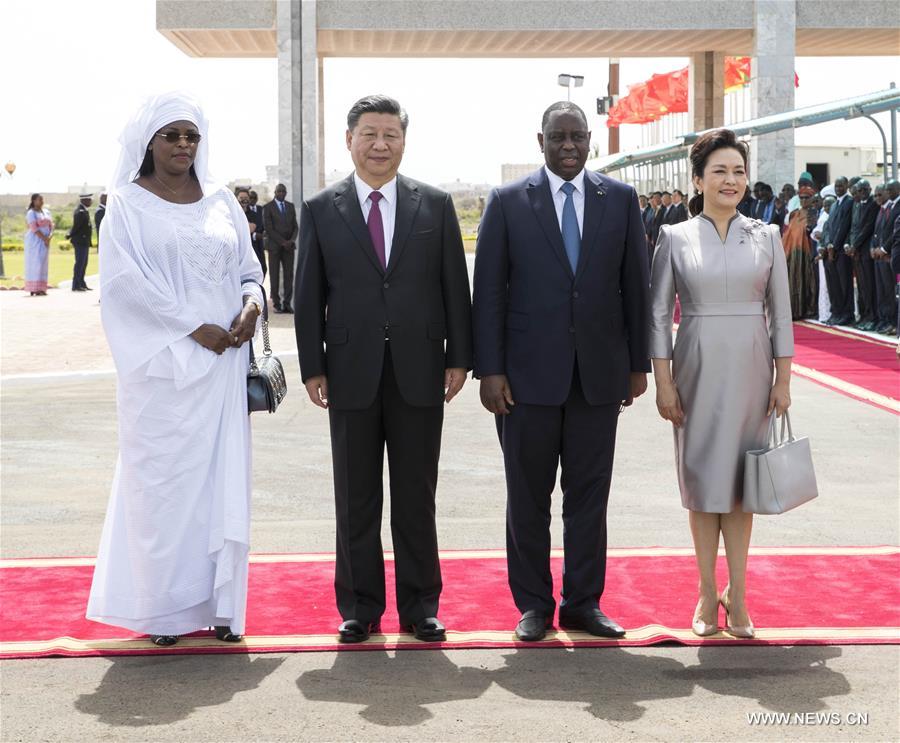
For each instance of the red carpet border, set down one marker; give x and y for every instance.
(798, 595)
(853, 364)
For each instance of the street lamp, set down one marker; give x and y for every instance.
(568, 82)
(9, 169)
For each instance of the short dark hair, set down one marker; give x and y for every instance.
(241, 189)
(656, 193)
(376, 104)
(566, 106)
(679, 192)
(717, 139)
(642, 196)
(666, 193)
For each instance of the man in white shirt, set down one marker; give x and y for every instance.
(384, 334)
(560, 303)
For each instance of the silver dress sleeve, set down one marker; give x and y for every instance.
(662, 297)
(778, 300)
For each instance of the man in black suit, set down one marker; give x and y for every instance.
(661, 216)
(80, 237)
(253, 221)
(99, 215)
(255, 214)
(881, 255)
(838, 265)
(280, 219)
(678, 213)
(862, 225)
(648, 217)
(384, 334)
(560, 319)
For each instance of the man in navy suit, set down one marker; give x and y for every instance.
(560, 331)
(839, 265)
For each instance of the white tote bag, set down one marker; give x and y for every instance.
(781, 476)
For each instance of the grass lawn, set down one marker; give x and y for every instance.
(61, 264)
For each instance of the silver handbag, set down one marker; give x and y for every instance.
(781, 476)
(266, 385)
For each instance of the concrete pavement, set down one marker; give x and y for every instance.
(58, 452)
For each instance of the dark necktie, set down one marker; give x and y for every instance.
(280, 207)
(376, 226)
(570, 234)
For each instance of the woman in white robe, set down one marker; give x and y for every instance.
(181, 296)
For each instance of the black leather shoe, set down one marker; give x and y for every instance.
(277, 308)
(355, 631)
(429, 629)
(593, 621)
(288, 309)
(533, 626)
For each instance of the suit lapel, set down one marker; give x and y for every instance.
(539, 195)
(408, 200)
(347, 205)
(594, 206)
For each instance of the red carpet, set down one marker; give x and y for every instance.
(797, 596)
(850, 363)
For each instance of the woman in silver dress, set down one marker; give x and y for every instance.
(717, 388)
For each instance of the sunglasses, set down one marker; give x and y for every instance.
(173, 137)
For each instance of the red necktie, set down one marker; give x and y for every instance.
(376, 226)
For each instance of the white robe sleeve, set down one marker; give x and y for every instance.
(143, 308)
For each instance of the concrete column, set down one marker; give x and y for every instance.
(772, 89)
(298, 98)
(706, 90)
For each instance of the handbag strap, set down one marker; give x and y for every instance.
(264, 325)
(774, 437)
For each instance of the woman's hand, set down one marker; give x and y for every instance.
(668, 403)
(779, 399)
(243, 327)
(214, 337)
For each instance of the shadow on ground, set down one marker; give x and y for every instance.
(144, 691)
(612, 684)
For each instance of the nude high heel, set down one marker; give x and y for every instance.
(701, 628)
(745, 632)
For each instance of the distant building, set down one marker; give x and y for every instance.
(460, 187)
(828, 162)
(514, 171)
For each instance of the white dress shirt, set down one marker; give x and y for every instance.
(559, 196)
(387, 205)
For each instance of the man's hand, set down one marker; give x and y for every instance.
(637, 387)
(317, 389)
(213, 337)
(454, 379)
(243, 327)
(496, 394)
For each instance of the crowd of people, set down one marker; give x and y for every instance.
(839, 242)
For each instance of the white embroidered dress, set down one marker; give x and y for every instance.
(174, 551)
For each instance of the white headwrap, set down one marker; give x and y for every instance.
(153, 115)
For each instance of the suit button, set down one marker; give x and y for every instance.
(386, 285)
(572, 329)
(575, 295)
